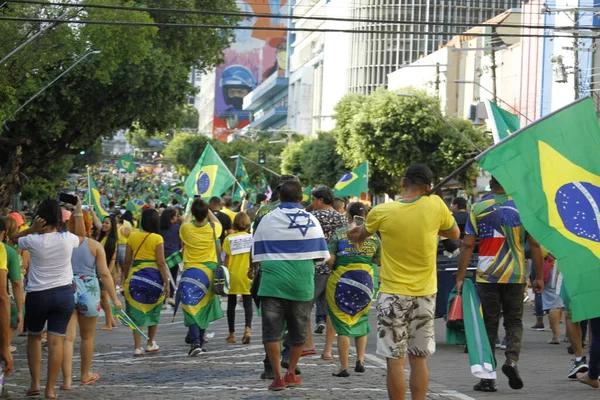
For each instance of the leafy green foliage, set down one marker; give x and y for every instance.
(140, 76)
(394, 132)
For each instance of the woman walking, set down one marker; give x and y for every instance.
(169, 230)
(88, 261)
(108, 238)
(124, 229)
(49, 288)
(147, 284)
(237, 248)
(350, 289)
(199, 303)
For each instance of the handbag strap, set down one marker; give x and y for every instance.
(141, 244)
(219, 263)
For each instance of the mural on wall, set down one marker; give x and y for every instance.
(254, 57)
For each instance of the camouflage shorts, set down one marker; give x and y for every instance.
(405, 323)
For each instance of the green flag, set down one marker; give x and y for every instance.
(210, 177)
(307, 194)
(126, 163)
(263, 184)
(501, 122)
(550, 168)
(242, 177)
(354, 183)
(95, 199)
(134, 205)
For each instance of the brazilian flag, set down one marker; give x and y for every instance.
(135, 206)
(354, 183)
(95, 199)
(244, 180)
(551, 170)
(210, 177)
(195, 292)
(126, 163)
(501, 122)
(178, 189)
(307, 194)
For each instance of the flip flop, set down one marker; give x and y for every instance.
(90, 381)
(326, 358)
(308, 352)
(32, 393)
(65, 388)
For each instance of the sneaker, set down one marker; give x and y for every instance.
(320, 328)
(13, 348)
(152, 348)
(554, 341)
(360, 367)
(286, 364)
(195, 350)
(292, 380)
(498, 343)
(538, 327)
(578, 366)
(503, 345)
(512, 373)
(486, 385)
(278, 384)
(138, 352)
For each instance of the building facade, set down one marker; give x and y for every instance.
(375, 55)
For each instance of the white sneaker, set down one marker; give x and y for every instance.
(13, 348)
(152, 349)
(138, 352)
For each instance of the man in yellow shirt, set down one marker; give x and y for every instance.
(227, 204)
(5, 329)
(409, 231)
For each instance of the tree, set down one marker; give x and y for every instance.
(314, 161)
(140, 76)
(393, 132)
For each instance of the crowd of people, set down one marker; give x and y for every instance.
(287, 258)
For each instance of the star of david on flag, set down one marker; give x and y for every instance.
(301, 221)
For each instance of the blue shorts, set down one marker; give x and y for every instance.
(121, 255)
(87, 295)
(54, 306)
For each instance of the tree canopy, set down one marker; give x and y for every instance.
(140, 76)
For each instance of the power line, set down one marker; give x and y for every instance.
(291, 17)
(285, 29)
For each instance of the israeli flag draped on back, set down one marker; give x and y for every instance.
(289, 233)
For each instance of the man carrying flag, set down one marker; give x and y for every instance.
(210, 177)
(501, 273)
(287, 242)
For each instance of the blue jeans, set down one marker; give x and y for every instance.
(594, 364)
(195, 335)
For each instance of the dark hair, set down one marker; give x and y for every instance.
(290, 192)
(494, 184)
(228, 201)
(261, 197)
(324, 193)
(3, 227)
(150, 221)
(50, 211)
(200, 209)
(460, 202)
(357, 209)
(339, 203)
(111, 238)
(127, 216)
(166, 217)
(241, 222)
(287, 178)
(418, 175)
(215, 200)
(111, 204)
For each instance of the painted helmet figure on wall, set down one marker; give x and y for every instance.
(236, 82)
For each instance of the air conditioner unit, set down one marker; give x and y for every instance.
(477, 113)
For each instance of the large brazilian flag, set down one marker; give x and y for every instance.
(95, 199)
(551, 170)
(210, 177)
(354, 183)
(195, 292)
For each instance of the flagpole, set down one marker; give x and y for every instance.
(89, 187)
(479, 156)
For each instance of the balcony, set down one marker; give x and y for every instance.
(275, 117)
(266, 91)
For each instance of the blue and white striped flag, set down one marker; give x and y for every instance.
(289, 233)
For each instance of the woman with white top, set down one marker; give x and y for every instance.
(49, 288)
(89, 261)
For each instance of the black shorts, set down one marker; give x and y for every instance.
(54, 306)
(276, 311)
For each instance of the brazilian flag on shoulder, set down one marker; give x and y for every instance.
(551, 170)
(210, 177)
(354, 183)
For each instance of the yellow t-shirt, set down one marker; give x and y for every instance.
(409, 237)
(124, 226)
(148, 250)
(199, 242)
(229, 213)
(238, 268)
(3, 259)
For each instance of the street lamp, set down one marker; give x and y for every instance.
(482, 87)
(434, 112)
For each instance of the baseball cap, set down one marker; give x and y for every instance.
(18, 218)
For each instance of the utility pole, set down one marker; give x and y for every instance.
(493, 68)
(576, 55)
